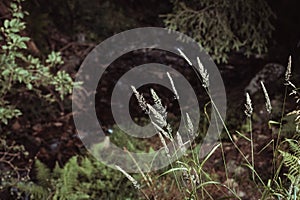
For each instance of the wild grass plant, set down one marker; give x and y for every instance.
(188, 177)
(188, 173)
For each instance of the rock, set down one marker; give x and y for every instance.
(269, 73)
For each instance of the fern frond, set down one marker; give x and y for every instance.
(35, 191)
(292, 162)
(69, 177)
(87, 167)
(42, 173)
(56, 171)
(295, 147)
(80, 178)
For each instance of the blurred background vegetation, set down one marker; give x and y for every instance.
(221, 27)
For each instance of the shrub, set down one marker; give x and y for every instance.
(21, 72)
(223, 26)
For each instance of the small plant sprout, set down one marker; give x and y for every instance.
(141, 100)
(203, 73)
(133, 181)
(173, 86)
(268, 102)
(248, 105)
(185, 57)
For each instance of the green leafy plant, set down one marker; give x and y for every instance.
(222, 27)
(291, 156)
(292, 161)
(79, 178)
(23, 76)
(21, 72)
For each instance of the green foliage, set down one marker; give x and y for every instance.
(295, 114)
(21, 72)
(123, 140)
(291, 157)
(223, 26)
(292, 161)
(80, 178)
(289, 127)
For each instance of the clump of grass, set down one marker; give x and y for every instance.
(189, 173)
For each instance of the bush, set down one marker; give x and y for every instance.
(224, 26)
(21, 72)
(23, 76)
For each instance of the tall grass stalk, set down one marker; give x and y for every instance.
(146, 178)
(248, 112)
(204, 76)
(158, 119)
(288, 75)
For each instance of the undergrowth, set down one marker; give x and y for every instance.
(189, 175)
(23, 76)
(79, 178)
